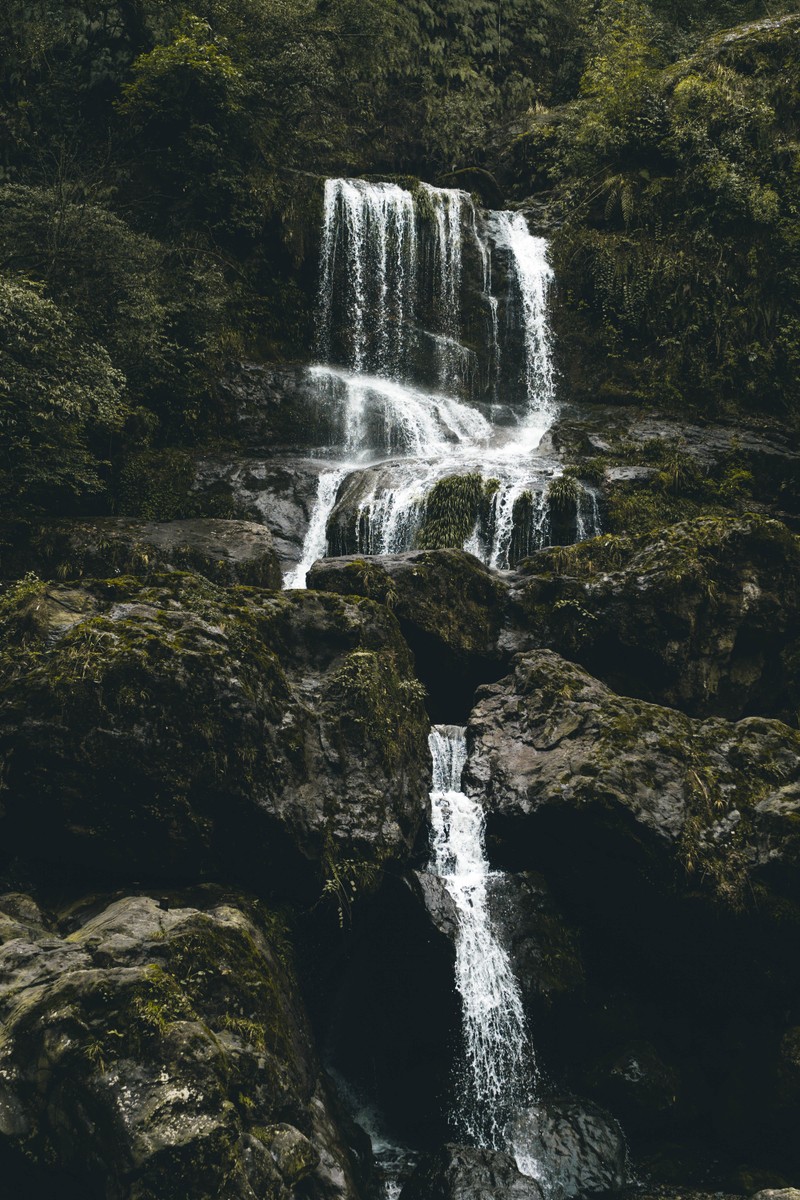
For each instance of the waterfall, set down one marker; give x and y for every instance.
(448, 206)
(498, 1070)
(588, 523)
(533, 275)
(316, 541)
(403, 348)
(368, 257)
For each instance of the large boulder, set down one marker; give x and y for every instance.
(156, 1049)
(227, 552)
(278, 492)
(704, 616)
(719, 799)
(176, 728)
(577, 1148)
(450, 608)
(466, 1173)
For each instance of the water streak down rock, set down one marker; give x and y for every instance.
(497, 1074)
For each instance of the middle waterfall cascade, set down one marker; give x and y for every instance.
(498, 1073)
(423, 379)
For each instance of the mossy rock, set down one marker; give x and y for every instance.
(716, 802)
(449, 606)
(149, 1042)
(175, 729)
(702, 615)
(225, 551)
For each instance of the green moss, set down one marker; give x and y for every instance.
(453, 507)
(563, 493)
(378, 704)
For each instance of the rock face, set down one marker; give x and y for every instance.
(464, 1173)
(158, 1049)
(624, 441)
(723, 796)
(278, 493)
(579, 1148)
(226, 552)
(178, 729)
(703, 616)
(449, 606)
(274, 407)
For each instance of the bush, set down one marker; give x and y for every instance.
(61, 400)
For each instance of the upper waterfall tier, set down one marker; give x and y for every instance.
(434, 360)
(422, 287)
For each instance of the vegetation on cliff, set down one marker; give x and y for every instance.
(159, 193)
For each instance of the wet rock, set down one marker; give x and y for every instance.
(154, 1051)
(449, 607)
(703, 616)
(179, 729)
(465, 1173)
(579, 1148)
(544, 949)
(722, 798)
(278, 492)
(437, 901)
(778, 1194)
(272, 406)
(225, 551)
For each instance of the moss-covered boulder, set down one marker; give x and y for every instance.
(703, 616)
(176, 728)
(719, 800)
(450, 608)
(227, 552)
(159, 1050)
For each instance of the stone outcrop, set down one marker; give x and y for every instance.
(704, 616)
(157, 1049)
(225, 551)
(450, 608)
(178, 729)
(723, 798)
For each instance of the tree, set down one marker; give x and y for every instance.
(60, 402)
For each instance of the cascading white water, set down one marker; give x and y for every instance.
(448, 206)
(588, 523)
(316, 542)
(369, 249)
(498, 1070)
(533, 276)
(392, 260)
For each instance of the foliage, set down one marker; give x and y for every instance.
(158, 313)
(679, 257)
(61, 399)
(452, 508)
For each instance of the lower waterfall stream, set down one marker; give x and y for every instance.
(495, 1079)
(496, 1076)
